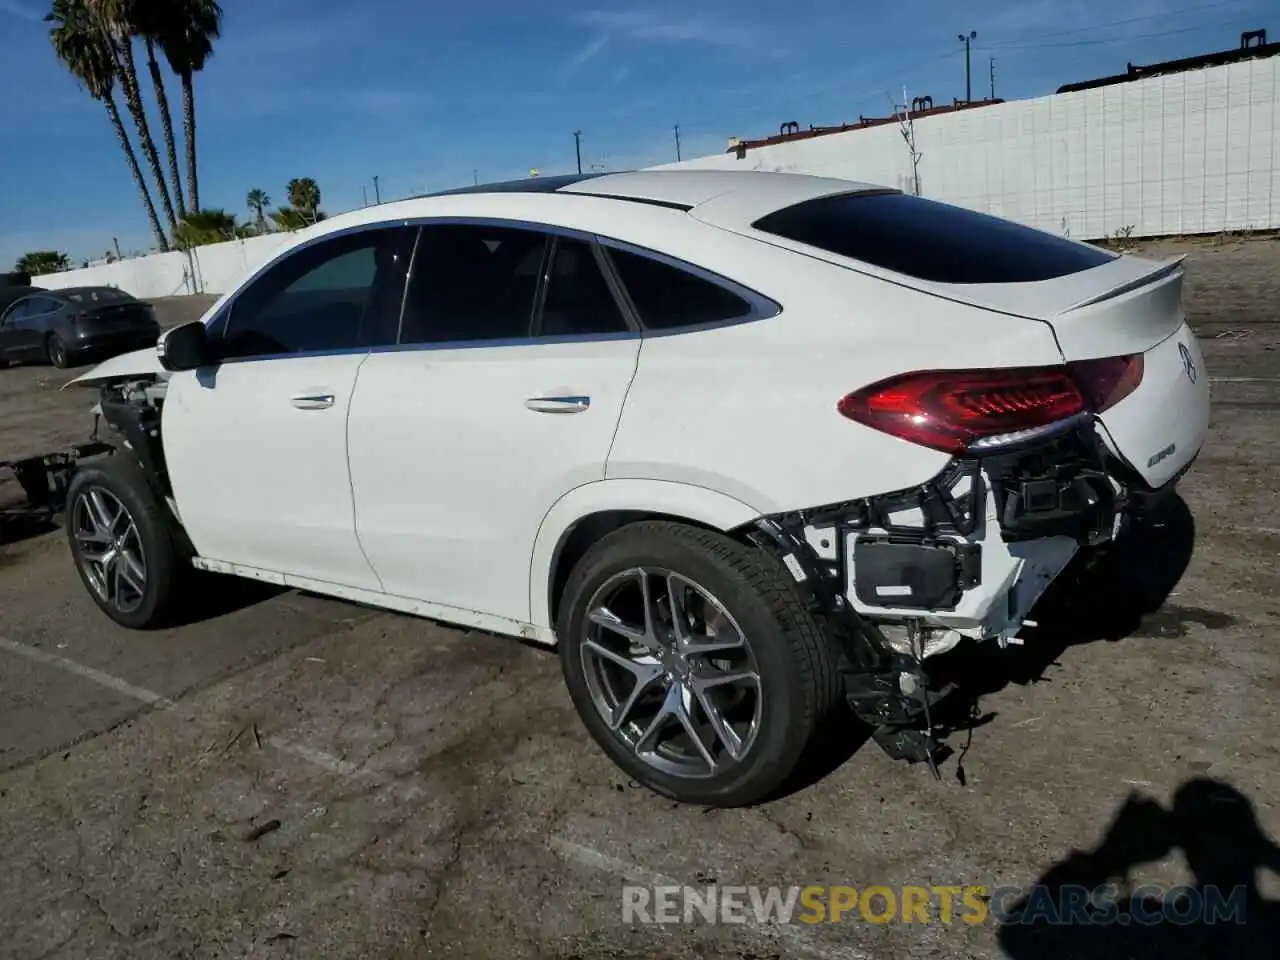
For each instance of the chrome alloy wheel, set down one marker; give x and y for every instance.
(671, 672)
(110, 549)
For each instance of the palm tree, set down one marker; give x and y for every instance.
(151, 21)
(81, 44)
(258, 201)
(191, 26)
(290, 218)
(119, 20)
(205, 226)
(304, 196)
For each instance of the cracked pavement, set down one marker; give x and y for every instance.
(316, 779)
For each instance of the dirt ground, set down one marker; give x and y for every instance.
(288, 776)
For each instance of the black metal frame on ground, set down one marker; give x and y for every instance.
(44, 479)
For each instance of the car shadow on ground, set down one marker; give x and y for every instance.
(214, 595)
(1086, 906)
(1124, 594)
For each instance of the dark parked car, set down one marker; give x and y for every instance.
(67, 326)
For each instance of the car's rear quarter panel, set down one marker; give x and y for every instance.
(749, 409)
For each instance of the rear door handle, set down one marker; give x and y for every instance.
(558, 404)
(313, 401)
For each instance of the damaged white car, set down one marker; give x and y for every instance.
(743, 445)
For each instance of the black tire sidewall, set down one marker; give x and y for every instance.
(786, 720)
(125, 480)
(57, 351)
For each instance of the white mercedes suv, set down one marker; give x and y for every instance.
(744, 446)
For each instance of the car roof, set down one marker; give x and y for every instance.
(729, 198)
(93, 288)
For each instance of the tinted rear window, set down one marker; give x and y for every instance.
(929, 240)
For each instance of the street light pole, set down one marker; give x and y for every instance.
(577, 147)
(968, 84)
(677, 143)
(377, 195)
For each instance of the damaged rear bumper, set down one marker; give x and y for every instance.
(969, 553)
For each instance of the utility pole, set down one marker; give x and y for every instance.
(364, 192)
(677, 143)
(993, 78)
(968, 85)
(577, 147)
(377, 195)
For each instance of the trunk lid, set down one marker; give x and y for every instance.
(1124, 306)
(1128, 306)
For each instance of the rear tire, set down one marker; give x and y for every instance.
(56, 351)
(123, 542)
(725, 591)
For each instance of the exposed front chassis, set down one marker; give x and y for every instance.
(899, 577)
(43, 479)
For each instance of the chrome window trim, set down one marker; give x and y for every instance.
(762, 307)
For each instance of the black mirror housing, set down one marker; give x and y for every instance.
(184, 347)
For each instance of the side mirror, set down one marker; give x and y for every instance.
(183, 347)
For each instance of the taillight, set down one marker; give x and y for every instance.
(955, 410)
(1107, 381)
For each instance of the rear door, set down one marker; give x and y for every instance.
(514, 362)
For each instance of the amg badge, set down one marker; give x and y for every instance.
(1166, 452)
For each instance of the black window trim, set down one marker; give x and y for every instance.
(762, 307)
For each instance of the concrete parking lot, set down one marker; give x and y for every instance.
(289, 776)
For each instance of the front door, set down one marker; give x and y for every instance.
(256, 445)
(515, 361)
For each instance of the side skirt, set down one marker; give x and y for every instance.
(453, 616)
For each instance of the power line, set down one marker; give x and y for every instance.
(1120, 23)
(1130, 38)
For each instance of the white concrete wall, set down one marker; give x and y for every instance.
(1189, 153)
(215, 268)
(1194, 152)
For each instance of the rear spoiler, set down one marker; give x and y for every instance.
(1161, 271)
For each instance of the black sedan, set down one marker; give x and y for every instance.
(68, 326)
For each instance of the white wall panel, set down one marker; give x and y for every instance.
(1188, 153)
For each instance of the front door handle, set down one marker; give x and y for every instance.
(313, 401)
(558, 404)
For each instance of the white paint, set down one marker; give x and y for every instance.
(1186, 153)
(452, 473)
(315, 757)
(122, 687)
(456, 616)
(278, 496)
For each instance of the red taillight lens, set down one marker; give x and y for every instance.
(951, 410)
(1107, 381)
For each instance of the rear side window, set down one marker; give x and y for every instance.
(665, 296)
(929, 240)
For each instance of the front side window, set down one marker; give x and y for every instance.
(472, 282)
(337, 294)
(666, 296)
(17, 311)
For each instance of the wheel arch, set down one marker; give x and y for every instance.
(587, 513)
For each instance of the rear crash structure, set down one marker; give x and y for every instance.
(904, 577)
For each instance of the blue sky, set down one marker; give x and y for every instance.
(427, 96)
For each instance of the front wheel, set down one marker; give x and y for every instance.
(693, 662)
(122, 542)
